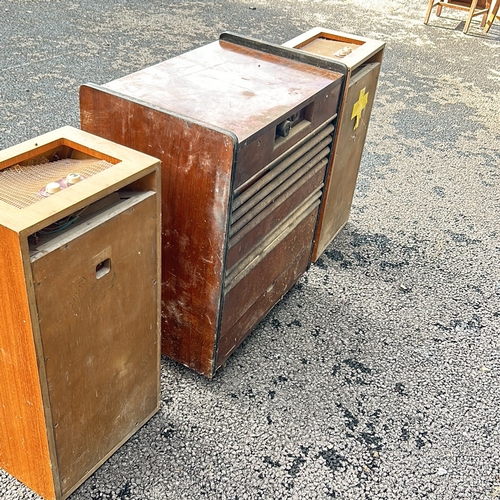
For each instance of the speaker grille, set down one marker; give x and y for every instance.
(23, 185)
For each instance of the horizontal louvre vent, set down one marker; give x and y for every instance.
(260, 211)
(282, 181)
(283, 177)
(291, 161)
(273, 239)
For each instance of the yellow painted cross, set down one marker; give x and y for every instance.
(359, 106)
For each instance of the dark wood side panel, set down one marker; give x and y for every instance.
(24, 450)
(196, 176)
(100, 338)
(339, 188)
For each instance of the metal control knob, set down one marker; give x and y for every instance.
(283, 129)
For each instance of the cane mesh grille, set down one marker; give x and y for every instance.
(23, 185)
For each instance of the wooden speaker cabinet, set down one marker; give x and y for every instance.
(363, 58)
(79, 296)
(244, 132)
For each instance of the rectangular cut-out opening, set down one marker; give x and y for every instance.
(293, 124)
(332, 46)
(102, 268)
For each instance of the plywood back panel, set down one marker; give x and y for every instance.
(99, 334)
(345, 166)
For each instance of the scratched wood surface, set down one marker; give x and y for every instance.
(227, 86)
(99, 337)
(211, 115)
(31, 447)
(196, 176)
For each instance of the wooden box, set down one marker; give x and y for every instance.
(244, 131)
(363, 58)
(79, 305)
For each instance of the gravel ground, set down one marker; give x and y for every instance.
(377, 376)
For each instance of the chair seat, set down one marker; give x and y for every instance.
(473, 7)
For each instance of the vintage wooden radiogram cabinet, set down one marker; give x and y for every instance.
(363, 58)
(79, 305)
(244, 130)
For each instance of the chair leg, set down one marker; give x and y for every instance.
(484, 18)
(470, 16)
(440, 8)
(491, 15)
(430, 6)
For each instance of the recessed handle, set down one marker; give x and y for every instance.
(102, 268)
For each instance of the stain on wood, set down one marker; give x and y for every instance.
(231, 185)
(79, 307)
(362, 57)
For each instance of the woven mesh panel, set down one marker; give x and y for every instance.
(23, 185)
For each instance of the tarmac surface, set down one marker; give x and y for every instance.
(378, 375)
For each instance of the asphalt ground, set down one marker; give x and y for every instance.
(377, 376)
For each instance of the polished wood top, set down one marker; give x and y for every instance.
(228, 86)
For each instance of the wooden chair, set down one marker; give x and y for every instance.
(492, 14)
(474, 8)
